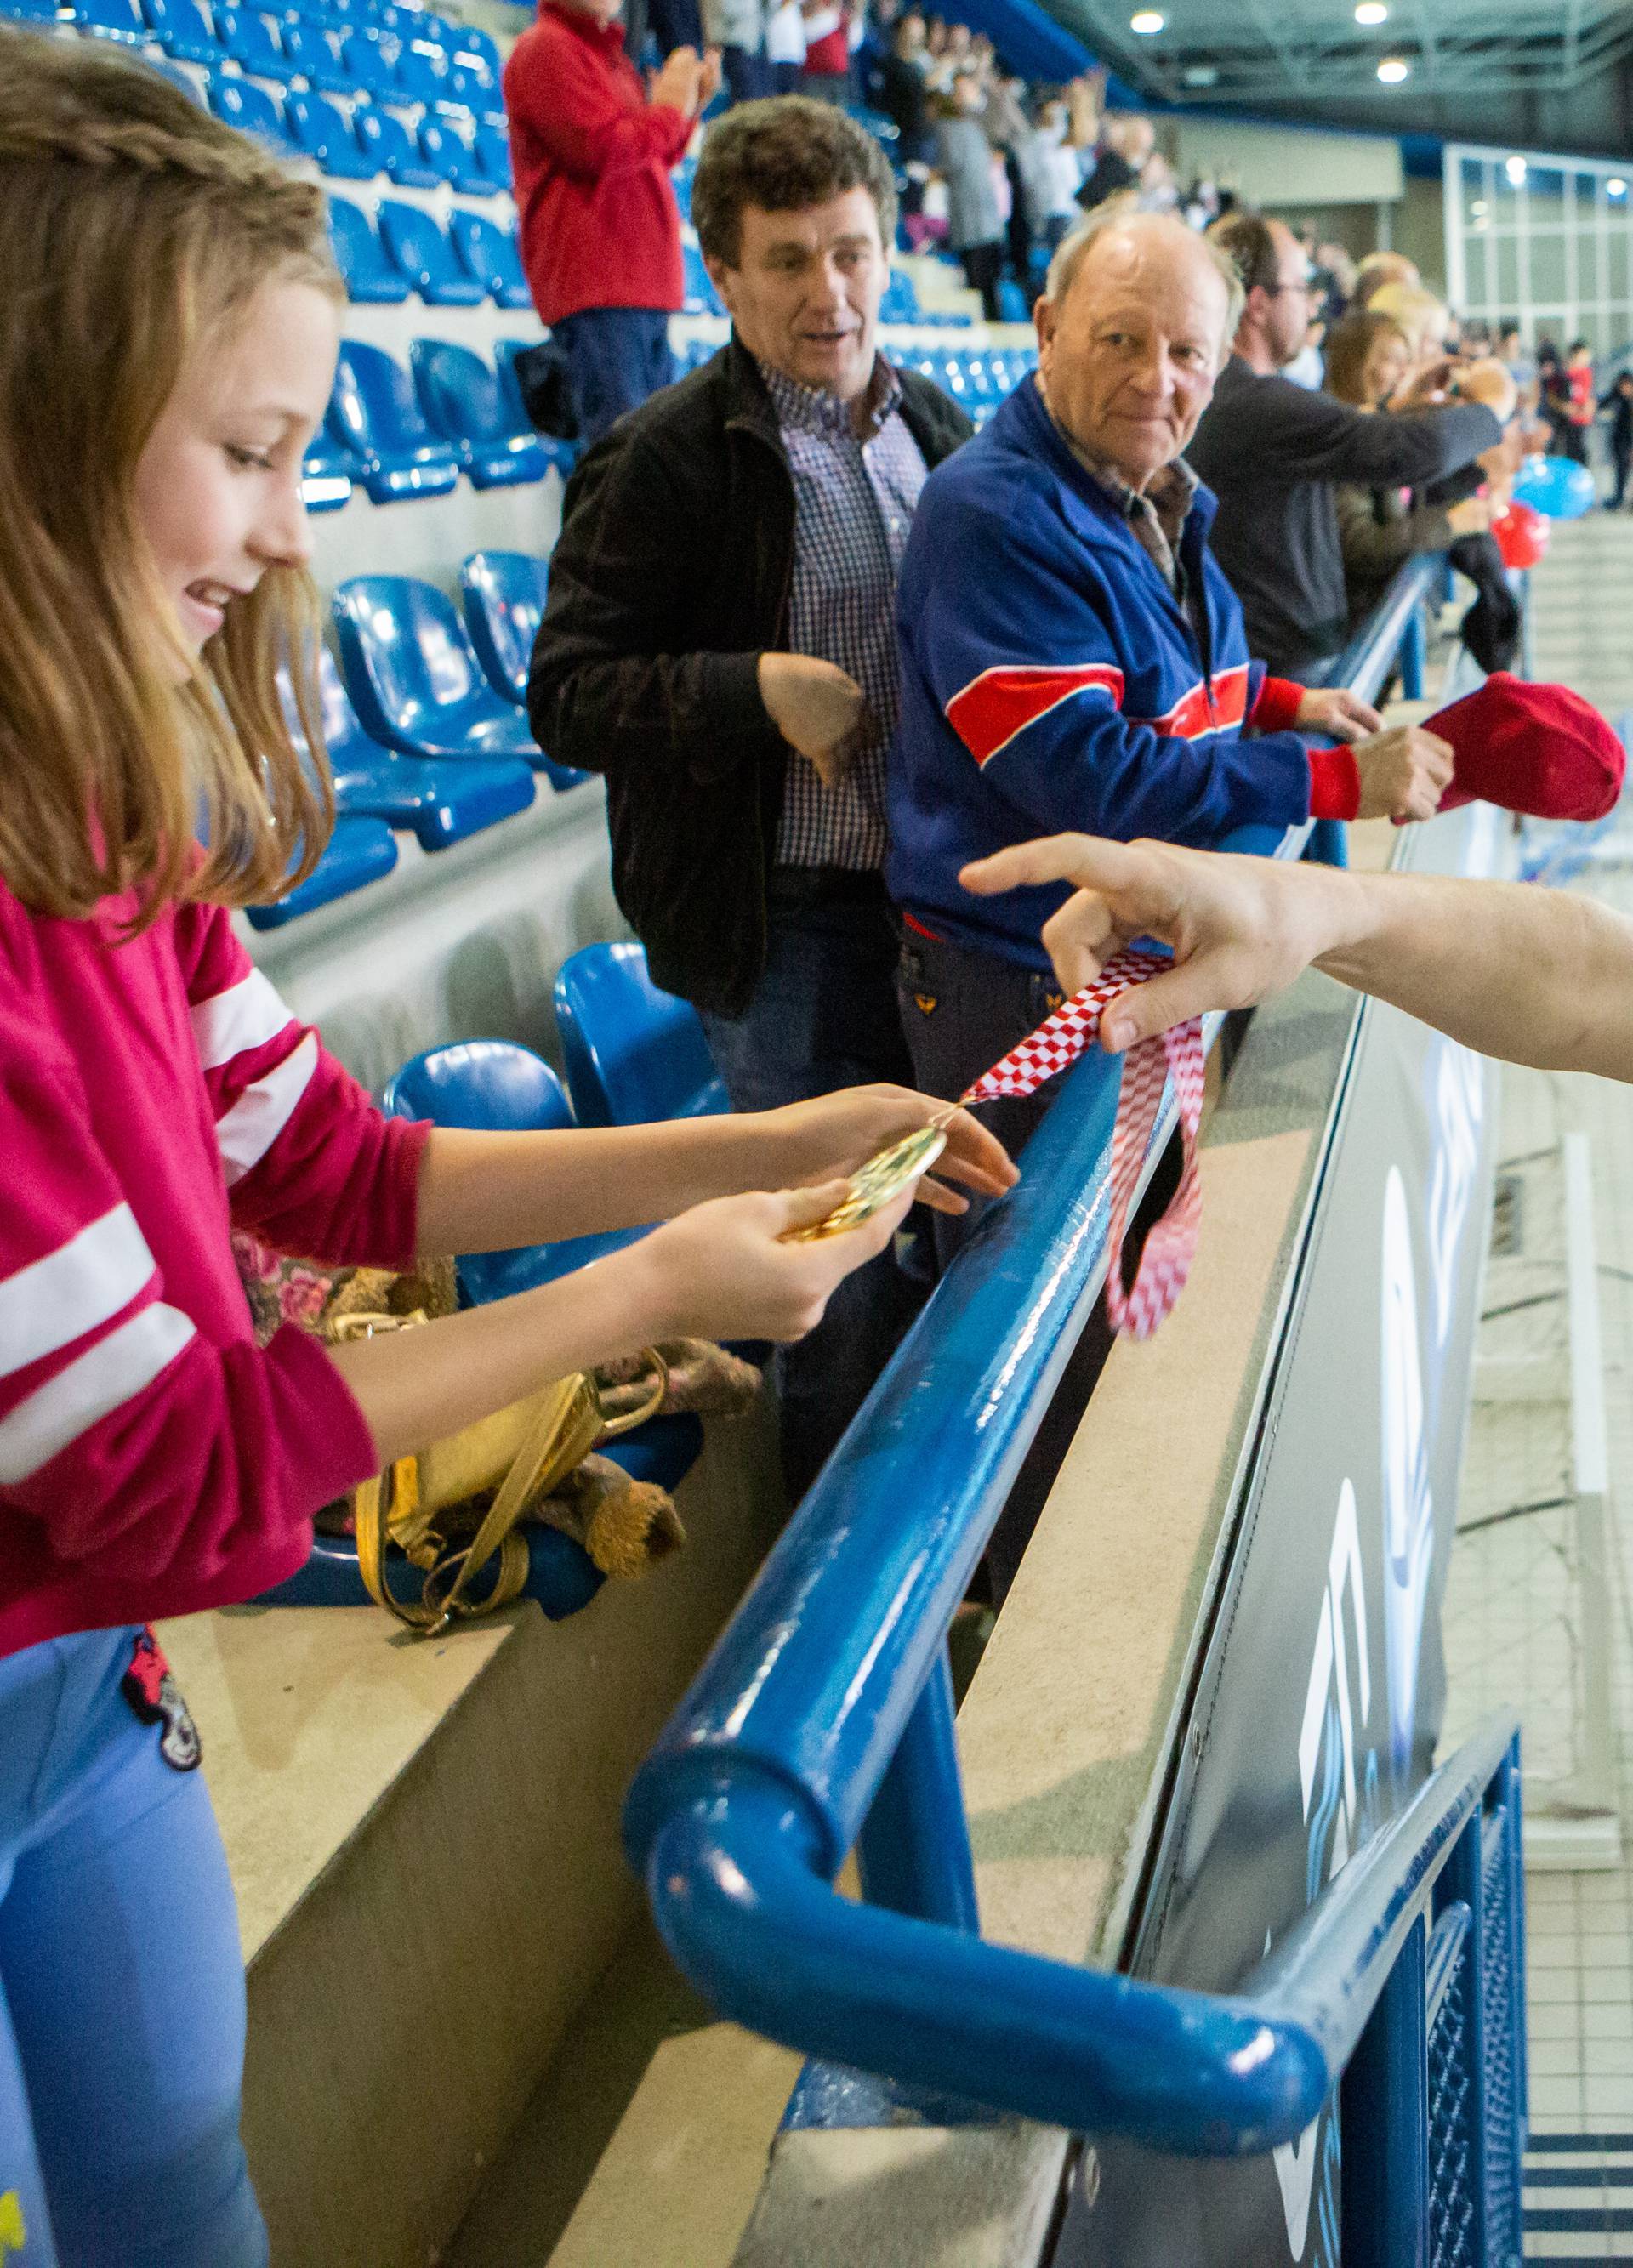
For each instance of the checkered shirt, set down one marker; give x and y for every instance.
(855, 499)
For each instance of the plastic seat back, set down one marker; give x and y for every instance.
(111, 20)
(360, 257)
(376, 406)
(249, 39)
(490, 257)
(389, 143)
(634, 1054)
(421, 68)
(505, 594)
(492, 1086)
(415, 241)
(311, 52)
(180, 29)
(319, 129)
(493, 149)
(249, 107)
(408, 664)
(364, 63)
(458, 393)
(449, 155)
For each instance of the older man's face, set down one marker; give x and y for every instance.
(1129, 356)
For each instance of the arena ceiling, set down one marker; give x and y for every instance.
(1316, 52)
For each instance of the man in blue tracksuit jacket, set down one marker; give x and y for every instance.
(1074, 658)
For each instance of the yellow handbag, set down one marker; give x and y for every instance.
(423, 1504)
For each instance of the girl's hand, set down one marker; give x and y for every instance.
(1338, 712)
(836, 1133)
(719, 1272)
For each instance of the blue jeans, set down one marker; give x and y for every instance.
(122, 1984)
(617, 358)
(824, 1016)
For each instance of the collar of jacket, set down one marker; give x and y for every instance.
(608, 37)
(935, 421)
(1089, 510)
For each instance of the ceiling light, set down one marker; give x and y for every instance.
(1479, 208)
(1615, 186)
(1392, 70)
(1147, 23)
(1514, 171)
(1201, 75)
(1372, 12)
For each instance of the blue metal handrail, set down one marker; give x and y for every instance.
(824, 1721)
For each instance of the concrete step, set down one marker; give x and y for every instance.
(425, 1840)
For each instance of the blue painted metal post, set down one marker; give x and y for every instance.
(1511, 1786)
(1464, 1878)
(1384, 2113)
(913, 1849)
(1414, 653)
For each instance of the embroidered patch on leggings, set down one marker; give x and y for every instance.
(150, 1687)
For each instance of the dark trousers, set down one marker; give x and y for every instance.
(747, 77)
(1573, 443)
(617, 357)
(1622, 458)
(824, 1016)
(983, 265)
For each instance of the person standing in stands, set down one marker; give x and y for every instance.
(1617, 405)
(1273, 452)
(720, 642)
(155, 1093)
(600, 226)
(825, 74)
(1580, 408)
(737, 28)
(964, 158)
(1072, 656)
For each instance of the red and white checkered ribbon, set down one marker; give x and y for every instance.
(1170, 1247)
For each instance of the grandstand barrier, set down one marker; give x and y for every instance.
(1313, 1952)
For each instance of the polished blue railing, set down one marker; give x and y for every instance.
(824, 1722)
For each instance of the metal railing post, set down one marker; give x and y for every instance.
(1413, 654)
(914, 1851)
(1384, 2110)
(1464, 1878)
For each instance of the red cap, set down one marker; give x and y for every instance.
(1536, 749)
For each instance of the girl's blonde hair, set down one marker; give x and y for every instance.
(137, 228)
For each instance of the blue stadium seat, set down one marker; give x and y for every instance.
(249, 38)
(184, 81)
(420, 69)
(322, 132)
(388, 142)
(370, 276)
(461, 397)
(327, 474)
(183, 29)
(359, 850)
(372, 412)
(451, 156)
(436, 803)
(493, 155)
(488, 255)
(505, 353)
(30, 11)
(634, 1054)
(494, 1087)
(414, 240)
(110, 20)
(311, 52)
(472, 93)
(249, 107)
(364, 65)
(503, 594)
(415, 682)
(470, 42)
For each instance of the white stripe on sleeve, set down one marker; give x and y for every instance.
(246, 1015)
(114, 1370)
(247, 1131)
(82, 1284)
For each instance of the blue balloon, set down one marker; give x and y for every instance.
(1556, 486)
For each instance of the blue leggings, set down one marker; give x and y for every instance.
(122, 1985)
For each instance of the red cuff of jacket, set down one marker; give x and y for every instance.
(1334, 783)
(1276, 709)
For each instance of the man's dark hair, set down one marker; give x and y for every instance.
(1581, 346)
(784, 155)
(1247, 240)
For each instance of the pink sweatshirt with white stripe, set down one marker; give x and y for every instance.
(154, 1094)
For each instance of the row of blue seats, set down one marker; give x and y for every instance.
(292, 47)
(398, 435)
(405, 249)
(423, 721)
(979, 378)
(368, 143)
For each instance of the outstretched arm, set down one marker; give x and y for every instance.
(1520, 974)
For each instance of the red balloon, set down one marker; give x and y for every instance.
(1521, 533)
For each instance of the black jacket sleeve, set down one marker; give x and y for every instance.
(606, 689)
(1287, 432)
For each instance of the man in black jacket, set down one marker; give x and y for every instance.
(719, 643)
(1272, 452)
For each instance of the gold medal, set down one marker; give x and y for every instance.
(872, 1185)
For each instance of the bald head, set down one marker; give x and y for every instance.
(1132, 329)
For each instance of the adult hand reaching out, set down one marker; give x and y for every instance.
(818, 709)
